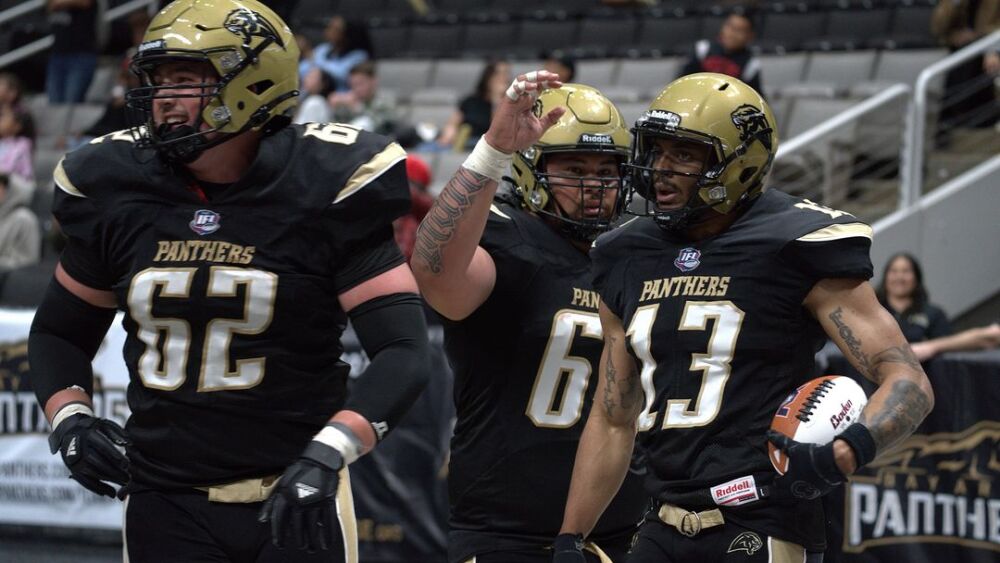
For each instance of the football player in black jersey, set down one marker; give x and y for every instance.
(512, 278)
(237, 247)
(713, 305)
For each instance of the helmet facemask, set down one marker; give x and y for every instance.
(591, 189)
(713, 110)
(247, 88)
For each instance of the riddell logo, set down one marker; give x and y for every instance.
(600, 139)
(736, 492)
(837, 419)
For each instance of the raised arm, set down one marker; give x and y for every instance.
(605, 449)
(870, 338)
(979, 338)
(455, 274)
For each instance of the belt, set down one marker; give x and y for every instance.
(689, 522)
(247, 490)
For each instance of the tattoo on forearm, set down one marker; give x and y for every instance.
(852, 342)
(880, 363)
(440, 223)
(619, 386)
(898, 416)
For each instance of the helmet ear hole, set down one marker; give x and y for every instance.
(747, 174)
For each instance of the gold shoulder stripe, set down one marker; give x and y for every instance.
(837, 232)
(496, 210)
(371, 170)
(62, 180)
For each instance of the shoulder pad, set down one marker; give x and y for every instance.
(796, 219)
(101, 164)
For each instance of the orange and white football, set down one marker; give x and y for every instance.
(816, 412)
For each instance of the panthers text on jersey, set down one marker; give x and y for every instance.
(525, 367)
(231, 311)
(718, 329)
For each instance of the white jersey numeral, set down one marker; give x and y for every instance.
(560, 375)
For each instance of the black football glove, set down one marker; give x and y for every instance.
(304, 504)
(88, 448)
(812, 468)
(568, 548)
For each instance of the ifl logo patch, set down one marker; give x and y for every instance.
(205, 222)
(688, 259)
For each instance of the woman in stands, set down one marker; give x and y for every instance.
(902, 292)
(476, 110)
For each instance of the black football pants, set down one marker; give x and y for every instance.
(729, 543)
(184, 527)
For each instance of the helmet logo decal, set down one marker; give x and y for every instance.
(688, 259)
(750, 120)
(591, 138)
(205, 222)
(248, 24)
(669, 118)
(155, 44)
(536, 108)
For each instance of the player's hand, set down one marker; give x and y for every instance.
(303, 507)
(812, 468)
(515, 126)
(89, 448)
(568, 548)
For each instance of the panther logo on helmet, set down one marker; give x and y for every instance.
(248, 24)
(750, 120)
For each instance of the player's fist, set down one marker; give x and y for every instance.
(812, 468)
(568, 548)
(89, 448)
(515, 126)
(302, 509)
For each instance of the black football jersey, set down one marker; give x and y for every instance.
(525, 365)
(231, 311)
(718, 329)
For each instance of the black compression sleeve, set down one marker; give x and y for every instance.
(393, 333)
(65, 335)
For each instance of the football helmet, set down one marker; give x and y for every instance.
(254, 55)
(725, 114)
(590, 124)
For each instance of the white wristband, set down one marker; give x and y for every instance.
(68, 411)
(334, 437)
(488, 161)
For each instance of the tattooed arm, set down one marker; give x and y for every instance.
(455, 274)
(602, 458)
(870, 338)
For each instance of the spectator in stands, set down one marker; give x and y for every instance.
(11, 90)
(305, 54)
(405, 228)
(472, 117)
(17, 137)
(363, 106)
(562, 65)
(902, 292)
(20, 235)
(730, 53)
(73, 58)
(969, 98)
(314, 107)
(979, 338)
(347, 44)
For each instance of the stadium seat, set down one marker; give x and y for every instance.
(82, 116)
(668, 35)
(624, 94)
(787, 31)
(490, 39)
(101, 84)
(604, 37)
(389, 41)
(806, 113)
(648, 76)
(632, 111)
(840, 69)
(852, 29)
(444, 167)
(778, 71)
(436, 97)
(435, 115)
(404, 76)
(910, 28)
(460, 76)
(537, 37)
(435, 40)
(597, 73)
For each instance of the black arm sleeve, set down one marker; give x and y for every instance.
(65, 335)
(393, 333)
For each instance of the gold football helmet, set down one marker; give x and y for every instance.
(719, 111)
(251, 50)
(591, 124)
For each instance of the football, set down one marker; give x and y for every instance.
(816, 412)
